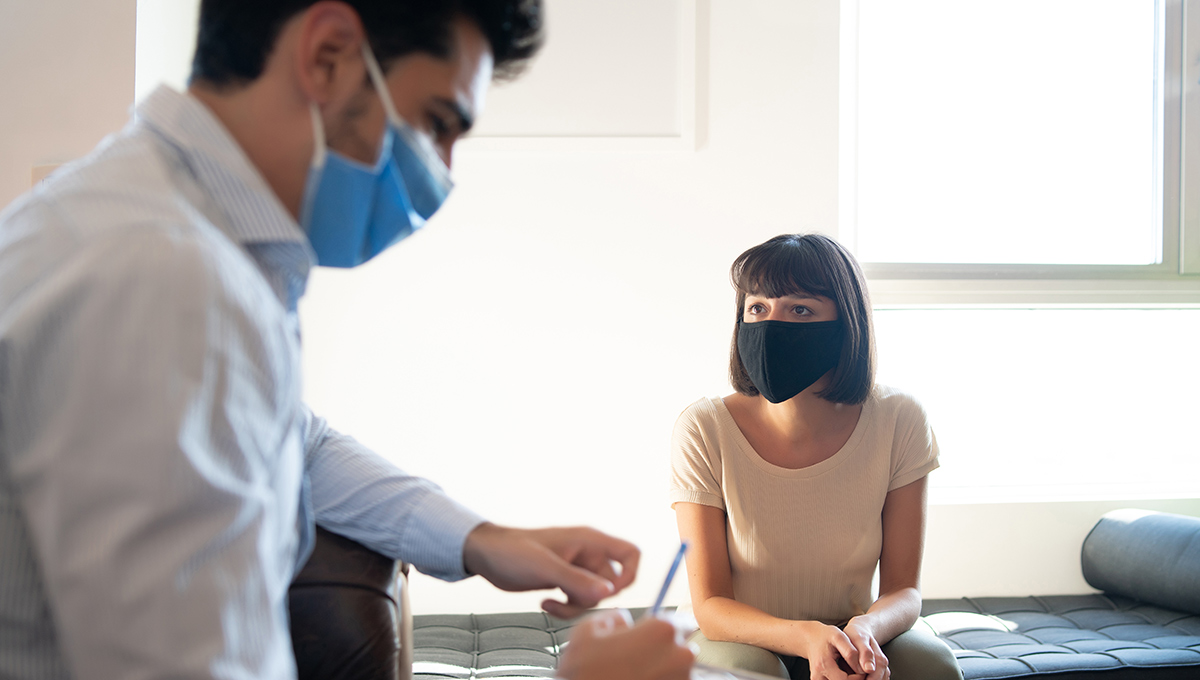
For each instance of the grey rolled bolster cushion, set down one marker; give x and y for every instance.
(1149, 556)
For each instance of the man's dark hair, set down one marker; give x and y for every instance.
(237, 36)
(811, 264)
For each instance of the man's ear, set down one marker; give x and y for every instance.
(329, 51)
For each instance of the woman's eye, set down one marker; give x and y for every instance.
(802, 311)
(755, 309)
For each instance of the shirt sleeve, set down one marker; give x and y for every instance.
(914, 449)
(151, 455)
(695, 466)
(360, 495)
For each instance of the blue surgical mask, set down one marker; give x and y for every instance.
(353, 211)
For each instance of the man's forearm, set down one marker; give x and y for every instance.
(359, 494)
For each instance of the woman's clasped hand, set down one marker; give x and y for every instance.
(837, 654)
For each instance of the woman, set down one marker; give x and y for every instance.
(791, 490)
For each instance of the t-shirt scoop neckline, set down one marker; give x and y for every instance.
(807, 472)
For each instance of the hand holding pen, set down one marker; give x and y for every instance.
(609, 645)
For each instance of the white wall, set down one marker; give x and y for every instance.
(1017, 549)
(67, 71)
(531, 349)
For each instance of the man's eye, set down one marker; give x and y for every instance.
(438, 126)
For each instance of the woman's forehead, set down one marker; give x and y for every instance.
(775, 289)
(774, 283)
(800, 296)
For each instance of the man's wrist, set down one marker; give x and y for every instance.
(474, 554)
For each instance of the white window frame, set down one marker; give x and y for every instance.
(1173, 282)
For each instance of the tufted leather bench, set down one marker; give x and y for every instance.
(1063, 637)
(493, 646)
(1144, 626)
(1067, 637)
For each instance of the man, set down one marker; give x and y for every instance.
(159, 476)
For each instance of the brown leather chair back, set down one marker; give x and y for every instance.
(350, 617)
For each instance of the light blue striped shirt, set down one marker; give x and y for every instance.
(159, 473)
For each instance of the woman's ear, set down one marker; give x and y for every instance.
(329, 52)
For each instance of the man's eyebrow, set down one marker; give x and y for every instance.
(465, 120)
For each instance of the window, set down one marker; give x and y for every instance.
(1052, 404)
(1014, 178)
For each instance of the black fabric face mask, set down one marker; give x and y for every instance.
(783, 358)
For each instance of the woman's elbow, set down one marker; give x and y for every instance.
(711, 619)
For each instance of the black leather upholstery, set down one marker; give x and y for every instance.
(1067, 637)
(494, 646)
(1149, 556)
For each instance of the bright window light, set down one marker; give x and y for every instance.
(1021, 132)
(166, 38)
(1052, 404)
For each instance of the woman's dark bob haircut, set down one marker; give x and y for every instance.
(811, 264)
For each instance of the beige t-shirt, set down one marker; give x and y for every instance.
(803, 544)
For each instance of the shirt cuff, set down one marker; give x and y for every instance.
(910, 476)
(676, 495)
(434, 538)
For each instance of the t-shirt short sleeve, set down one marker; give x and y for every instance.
(696, 457)
(914, 449)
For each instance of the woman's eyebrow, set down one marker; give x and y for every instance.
(786, 296)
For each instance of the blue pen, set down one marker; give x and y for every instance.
(662, 594)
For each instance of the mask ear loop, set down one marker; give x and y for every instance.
(432, 160)
(319, 150)
(380, 83)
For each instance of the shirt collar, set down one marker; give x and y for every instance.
(220, 165)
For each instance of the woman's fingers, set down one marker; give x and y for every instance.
(866, 647)
(849, 652)
(881, 670)
(831, 663)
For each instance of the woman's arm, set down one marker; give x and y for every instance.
(899, 602)
(724, 619)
